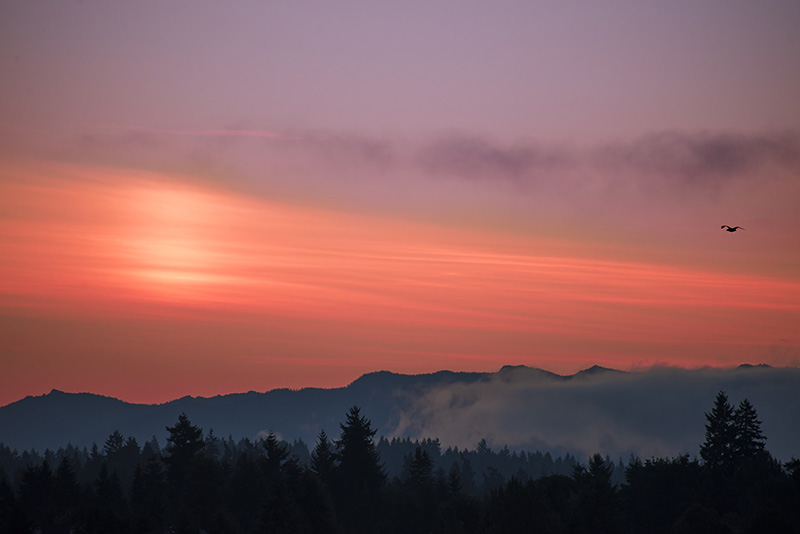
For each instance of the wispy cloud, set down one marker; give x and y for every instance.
(693, 158)
(472, 156)
(223, 132)
(246, 149)
(697, 157)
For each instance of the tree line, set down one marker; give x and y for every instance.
(355, 483)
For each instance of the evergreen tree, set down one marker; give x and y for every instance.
(35, 494)
(658, 490)
(148, 498)
(277, 454)
(11, 519)
(91, 468)
(359, 462)
(151, 448)
(718, 448)
(185, 441)
(247, 492)
(65, 493)
(793, 469)
(184, 444)
(599, 471)
(469, 485)
(113, 443)
(323, 461)
(597, 511)
(108, 508)
(420, 469)
(359, 476)
(415, 500)
(749, 441)
(122, 456)
(492, 479)
(206, 480)
(454, 484)
(294, 499)
(212, 447)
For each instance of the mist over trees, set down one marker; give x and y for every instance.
(199, 482)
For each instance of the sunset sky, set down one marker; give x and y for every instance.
(198, 199)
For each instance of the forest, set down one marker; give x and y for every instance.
(200, 483)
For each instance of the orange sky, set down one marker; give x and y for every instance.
(149, 286)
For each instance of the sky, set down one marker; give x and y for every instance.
(205, 199)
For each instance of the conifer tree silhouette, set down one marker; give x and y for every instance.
(420, 469)
(750, 441)
(323, 459)
(359, 461)
(718, 448)
(359, 476)
(184, 441)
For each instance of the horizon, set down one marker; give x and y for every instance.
(655, 367)
(597, 410)
(200, 200)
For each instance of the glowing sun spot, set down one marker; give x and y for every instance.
(175, 240)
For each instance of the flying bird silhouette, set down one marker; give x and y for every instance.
(731, 228)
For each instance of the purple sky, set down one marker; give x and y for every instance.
(555, 71)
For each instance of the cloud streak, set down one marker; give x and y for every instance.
(475, 157)
(693, 159)
(700, 157)
(229, 132)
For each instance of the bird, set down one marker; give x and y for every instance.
(731, 228)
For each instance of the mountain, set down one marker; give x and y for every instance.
(658, 412)
(58, 418)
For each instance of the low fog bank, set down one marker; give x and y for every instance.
(655, 413)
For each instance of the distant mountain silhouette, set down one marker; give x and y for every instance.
(594, 371)
(522, 406)
(58, 418)
(751, 366)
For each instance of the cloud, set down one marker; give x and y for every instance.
(659, 412)
(617, 186)
(684, 154)
(347, 149)
(702, 156)
(472, 156)
(693, 158)
(339, 147)
(220, 132)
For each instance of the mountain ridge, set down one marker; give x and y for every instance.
(366, 377)
(593, 370)
(83, 418)
(523, 407)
